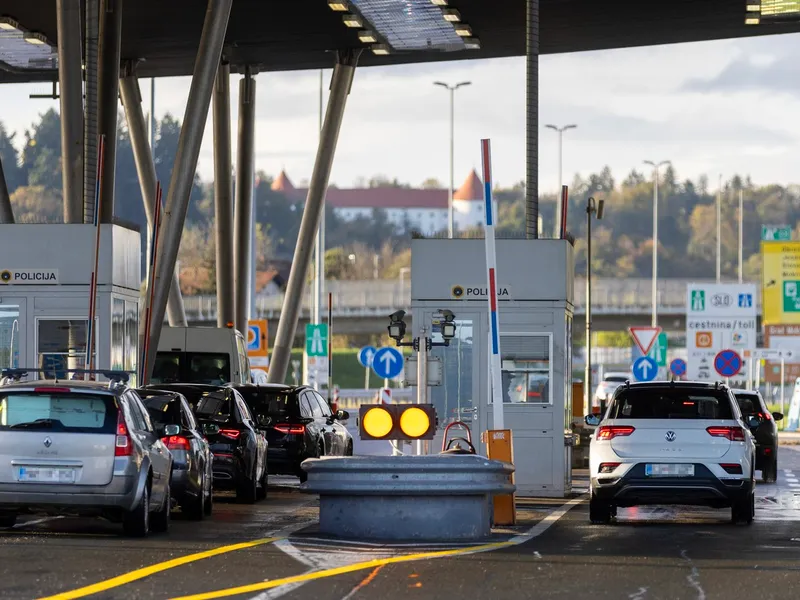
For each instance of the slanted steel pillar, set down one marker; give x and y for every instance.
(341, 82)
(146, 169)
(532, 122)
(223, 196)
(243, 215)
(91, 99)
(70, 78)
(6, 213)
(108, 104)
(180, 187)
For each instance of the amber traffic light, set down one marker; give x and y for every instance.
(397, 422)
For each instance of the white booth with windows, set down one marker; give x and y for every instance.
(535, 304)
(45, 275)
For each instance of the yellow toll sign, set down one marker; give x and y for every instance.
(780, 291)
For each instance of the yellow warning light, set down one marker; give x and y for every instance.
(414, 422)
(377, 422)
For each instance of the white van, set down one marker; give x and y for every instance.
(211, 355)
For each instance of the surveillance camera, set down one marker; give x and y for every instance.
(397, 316)
(448, 315)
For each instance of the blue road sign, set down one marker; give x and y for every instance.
(745, 300)
(728, 363)
(253, 338)
(365, 356)
(387, 363)
(645, 369)
(678, 367)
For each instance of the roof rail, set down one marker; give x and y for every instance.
(116, 377)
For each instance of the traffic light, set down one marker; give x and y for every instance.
(397, 421)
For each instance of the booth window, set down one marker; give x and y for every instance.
(61, 345)
(526, 368)
(118, 334)
(131, 336)
(9, 336)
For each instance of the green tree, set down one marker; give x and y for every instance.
(9, 157)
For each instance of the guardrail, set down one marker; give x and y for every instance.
(351, 399)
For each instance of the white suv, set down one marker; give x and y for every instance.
(671, 443)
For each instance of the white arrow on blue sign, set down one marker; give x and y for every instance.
(387, 363)
(645, 369)
(365, 356)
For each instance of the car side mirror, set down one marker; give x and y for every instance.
(753, 421)
(210, 429)
(342, 415)
(777, 416)
(170, 430)
(592, 420)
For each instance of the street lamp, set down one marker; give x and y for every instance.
(560, 131)
(719, 231)
(452, 89)
(654, 318)
(592, 208)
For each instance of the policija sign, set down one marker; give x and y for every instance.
(460, 292)
(29, 277)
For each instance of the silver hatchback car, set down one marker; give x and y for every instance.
(81, 448)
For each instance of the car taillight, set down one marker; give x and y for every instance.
(609, 432)
(765, 416)
(230, 433)
(732, 468)
(734, 434)
(176, 442)
(608, 467)
(122, 445)
(290, 429)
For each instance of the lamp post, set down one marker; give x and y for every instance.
(452, 89)
(592, 208)
(741, 235)
(560, 131)
(654, 317)
(719, 231)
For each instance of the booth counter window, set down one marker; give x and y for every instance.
(9, 335)
(527, 369)
(61, 345)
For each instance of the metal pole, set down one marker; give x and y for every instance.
(243, 209)
(6, 212)
(340, 88)
(783, 380)
(208, 55)
(758, 375)
(451, 227)
(151, 135)
(654, 319)
(319, 250)
(108, 107)
(750, 374)
(560, 173)
(422, 373)
(587, 393)
(90, 121)
(719, 231)
(146, 170)
(532, 121)
(741, 236)
(223, 196)
(70, 77)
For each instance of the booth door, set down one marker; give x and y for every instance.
(13, 330)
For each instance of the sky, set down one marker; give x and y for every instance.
(712, 108)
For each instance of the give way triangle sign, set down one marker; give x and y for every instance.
(645, 337)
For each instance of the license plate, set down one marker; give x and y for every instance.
(669, 470)
(46, 475)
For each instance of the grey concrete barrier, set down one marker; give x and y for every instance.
(436, 498)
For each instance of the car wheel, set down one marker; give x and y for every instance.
(744, 509)
(600, 512)
(136, 523)
(246, 491)
(349, 451)
(195, 508)
(303, 476)
(261, 492)
(208, 508)
(161, 518)
(769, 473)
(8, 521)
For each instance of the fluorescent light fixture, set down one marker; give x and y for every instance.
(753, 19)
(37, 39)
(367, 37)
(472, 43)
(380, 49)
(439, 2)
(463, 30)
(451, 14)
(338, 5)
(352, 21)
(8, 24)
(753, 6)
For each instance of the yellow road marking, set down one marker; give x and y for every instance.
(371, 564)
(132, 576)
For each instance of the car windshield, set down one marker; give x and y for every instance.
(748, 404)
(671, 403)
(269, 403)
(163, 410)
(62, 411)
(215, 406)
(192, 367)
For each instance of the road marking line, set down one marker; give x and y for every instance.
(132, 576)
(36, 522)
(694, 577)
(533, 532)
(364, 582)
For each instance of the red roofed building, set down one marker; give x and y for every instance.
(424, 210)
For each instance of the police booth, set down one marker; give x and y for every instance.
(535, 304)
(45, 276)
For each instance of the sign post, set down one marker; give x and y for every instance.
(365, 356)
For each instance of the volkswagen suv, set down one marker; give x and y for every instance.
(672, 443)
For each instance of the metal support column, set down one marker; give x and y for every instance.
(180, 187)
(223, 196)
(6, 213)
(340, 88)
(91, 98)
(70, 77)
(532, 122)
(243, 210)
(146, 169)
(108, 105)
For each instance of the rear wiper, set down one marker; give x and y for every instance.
(48, 423)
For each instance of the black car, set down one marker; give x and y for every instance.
(299, 425)
(191, 479)
(766, 433)
(238, 446)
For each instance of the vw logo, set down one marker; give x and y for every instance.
(721, 300)
(47, 442)
(670, 436)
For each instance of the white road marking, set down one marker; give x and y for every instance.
(638, 595)
(37, 521)
(694, 577)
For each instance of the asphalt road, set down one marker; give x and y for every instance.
(650, 553)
